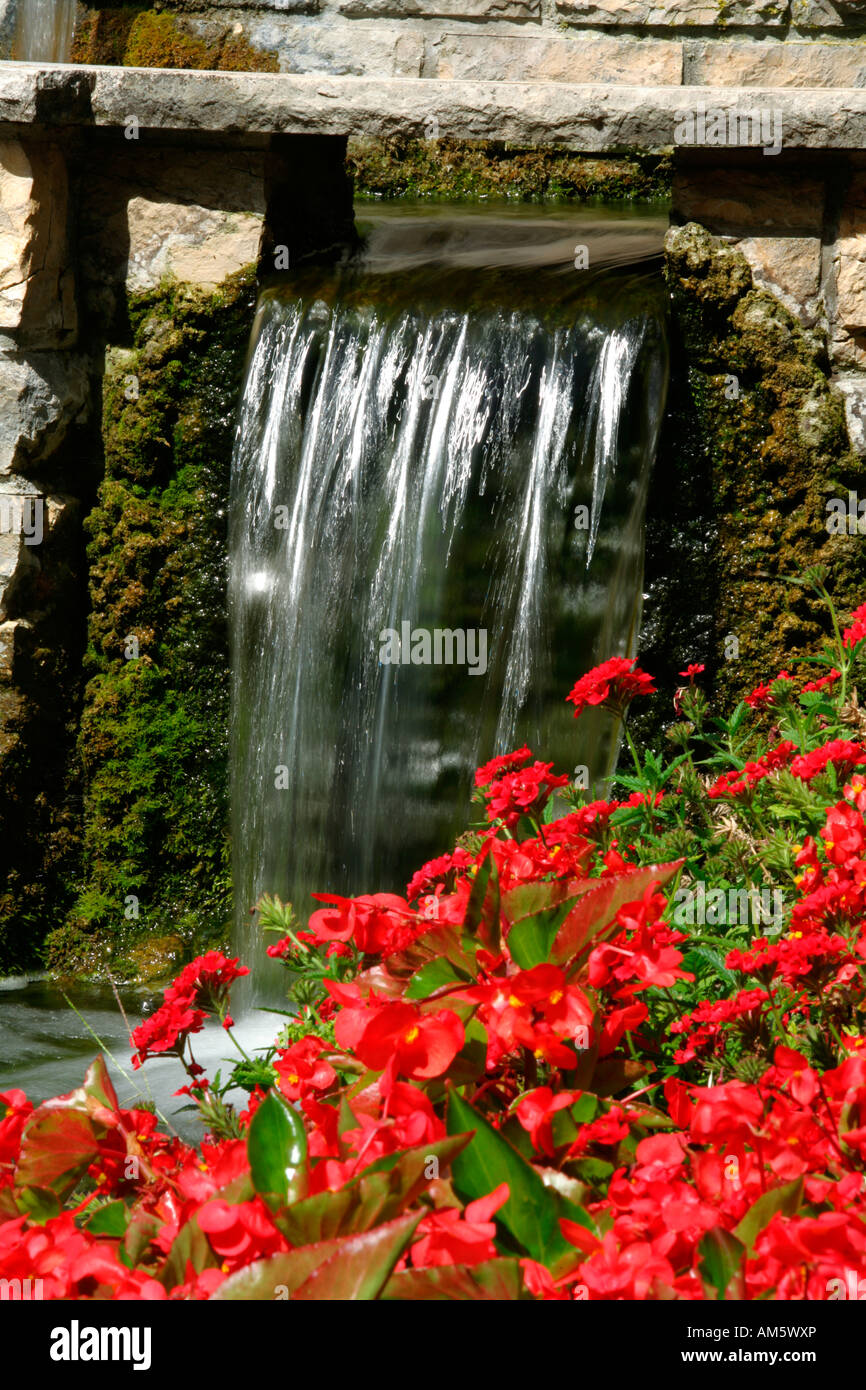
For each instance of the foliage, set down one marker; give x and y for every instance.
(566, 1065)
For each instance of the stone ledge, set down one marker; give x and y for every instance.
(594, 118)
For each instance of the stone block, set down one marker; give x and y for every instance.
(853, 392)
(779, 63)
(41, 394)
(519, 58)
(790, 267)
(682, 13)
(334, 48)
(442, 9)
(37, 294)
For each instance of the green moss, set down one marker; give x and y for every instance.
(136, 36)
(754, 445)
(469, 170)
(153, 736)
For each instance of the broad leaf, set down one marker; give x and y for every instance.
(380, 1193)
(499, 1280)
(595, 913)
(277, 1152)
(57, 1148)
(721, 1261)
(780, 1199)
(352, 1268)
(531, 1214)
(38, 1204)
(110, 1220)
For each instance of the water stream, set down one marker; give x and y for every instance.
(451, 436)
(44, 30)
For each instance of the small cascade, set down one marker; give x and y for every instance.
(436, 525)
(43, 31)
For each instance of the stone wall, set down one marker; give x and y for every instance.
(799, 43)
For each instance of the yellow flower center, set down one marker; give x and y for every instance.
(294, 1078)
(411, 1035)
(556, 996)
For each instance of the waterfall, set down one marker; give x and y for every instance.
(403, 466)
(43, 31)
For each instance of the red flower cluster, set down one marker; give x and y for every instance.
(201, 988)
(521, 793)
(613, 685)
(740, 783)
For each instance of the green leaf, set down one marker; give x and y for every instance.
(721, 1259)
(780, 1199)
(277, 1152)
(482, 910)
(189, 1247)
(352, 1268)
(110, 1220)
(436, 974)
(499, 1280)
(39, 1204)
(531, 1214)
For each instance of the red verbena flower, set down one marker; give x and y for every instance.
(612, 685)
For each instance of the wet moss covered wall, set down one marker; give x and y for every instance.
(755, 443)
(152, 876)
(142, 36)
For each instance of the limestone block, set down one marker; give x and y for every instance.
(197, 215)
(790, 267)
(777, 64)
(37, 300)
(827, 14)
(850, 260)
(516, 58)
(41, 394)
(195, 244)
(442, 9)
(685, 13)
(305, 47)
(852, 389)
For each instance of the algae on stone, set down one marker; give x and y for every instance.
(755, 444)
(153, 738)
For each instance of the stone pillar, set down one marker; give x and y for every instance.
(43, 379)
(44, 392)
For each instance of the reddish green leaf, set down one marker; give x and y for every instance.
(780, 1199)
(499, 1280)
(57, 1147)
(595, 913)
(350, 1268)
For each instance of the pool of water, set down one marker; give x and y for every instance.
(48, 1038)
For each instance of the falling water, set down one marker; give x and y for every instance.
(415, 453)
(43, 31)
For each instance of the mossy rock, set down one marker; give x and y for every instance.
(153, 737)
(467, 170)
(135, 35)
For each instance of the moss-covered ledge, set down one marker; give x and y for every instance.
(755, 443)
(153, 878)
